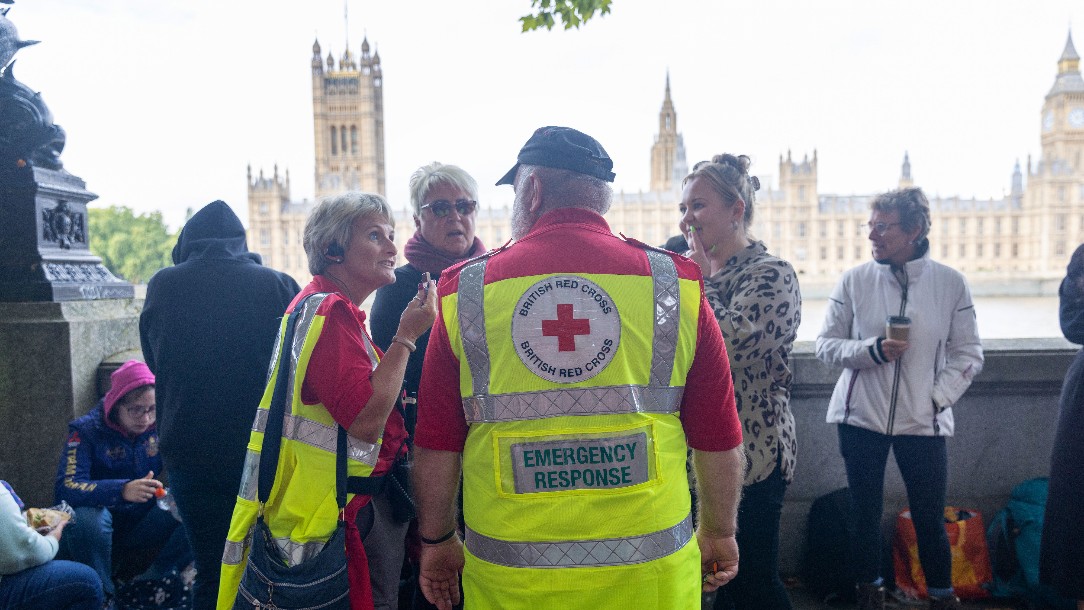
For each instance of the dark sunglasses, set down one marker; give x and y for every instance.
(442, 207)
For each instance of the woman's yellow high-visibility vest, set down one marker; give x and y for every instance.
(575, 488)
(301, 512)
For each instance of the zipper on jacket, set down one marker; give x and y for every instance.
(893, 395)
(936, 371)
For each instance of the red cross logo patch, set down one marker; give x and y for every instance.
(566, 329)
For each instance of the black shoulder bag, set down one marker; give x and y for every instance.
(268, 581)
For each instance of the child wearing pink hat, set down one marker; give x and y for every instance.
(107, 474)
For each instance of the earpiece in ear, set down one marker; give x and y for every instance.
(335, 253)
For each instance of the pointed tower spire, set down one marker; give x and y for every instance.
(1068, 79)
(346, 21)
(905, 172)
(668, 165)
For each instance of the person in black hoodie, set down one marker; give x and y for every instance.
(208, 328)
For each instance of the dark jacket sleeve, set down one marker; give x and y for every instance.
(1071, 299)
(73, 478)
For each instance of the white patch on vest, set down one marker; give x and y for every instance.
(595, 463)
(566, 329)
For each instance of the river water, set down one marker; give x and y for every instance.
(999, 317)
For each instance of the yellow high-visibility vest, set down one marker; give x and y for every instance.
(575, 488)
(301, 512)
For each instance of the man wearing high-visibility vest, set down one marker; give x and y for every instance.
(565, 377)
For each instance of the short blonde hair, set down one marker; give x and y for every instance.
(332, 223)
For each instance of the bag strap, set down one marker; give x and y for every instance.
(272, 437)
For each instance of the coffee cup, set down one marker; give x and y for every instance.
(898, 328)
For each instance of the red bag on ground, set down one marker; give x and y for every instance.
(971, 572)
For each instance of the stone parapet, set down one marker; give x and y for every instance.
(1004, 433)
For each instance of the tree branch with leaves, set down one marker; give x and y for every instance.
(571, 13)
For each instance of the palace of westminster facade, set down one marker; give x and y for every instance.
(1027, 235)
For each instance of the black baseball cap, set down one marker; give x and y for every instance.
(563, 148)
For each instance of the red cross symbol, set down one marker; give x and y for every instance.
(565, 328)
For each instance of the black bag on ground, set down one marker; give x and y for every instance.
(829, 570)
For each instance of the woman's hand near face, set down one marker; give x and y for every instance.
(420, 313)
(696, 248)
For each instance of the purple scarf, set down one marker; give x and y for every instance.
(427, 258)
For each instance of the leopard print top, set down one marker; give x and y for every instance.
(756, 299)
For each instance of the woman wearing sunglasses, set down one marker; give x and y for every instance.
(445, 201)
(106, 474)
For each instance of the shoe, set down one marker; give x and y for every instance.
(870, 596)
(945, 603)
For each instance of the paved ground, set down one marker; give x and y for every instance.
(803, 599)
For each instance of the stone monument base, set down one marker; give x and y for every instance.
(49, 358)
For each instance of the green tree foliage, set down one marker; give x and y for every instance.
(131, 246)
(571, 13)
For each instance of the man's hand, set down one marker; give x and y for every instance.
(441, 565)
(718, 559)
(893, 348)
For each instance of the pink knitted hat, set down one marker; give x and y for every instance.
(130, 376)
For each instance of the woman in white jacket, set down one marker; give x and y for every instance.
(896, 394)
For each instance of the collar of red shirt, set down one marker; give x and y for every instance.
(587, 219)
(321, 283)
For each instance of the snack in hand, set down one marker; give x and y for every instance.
(45, 519)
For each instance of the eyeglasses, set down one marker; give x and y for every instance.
(880, 228)
(137, 411)
(442, 207)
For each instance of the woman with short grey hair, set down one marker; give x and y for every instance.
(332, 222)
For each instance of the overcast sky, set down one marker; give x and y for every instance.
(165, 102)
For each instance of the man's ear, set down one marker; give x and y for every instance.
(535, 194)
(417, 223)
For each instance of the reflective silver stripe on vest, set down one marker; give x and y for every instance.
(605, 400)
(234, 552)
(667, 314)
(472, 324)
(297, 552)
(320, 436)
(250, 474)
(581, 553)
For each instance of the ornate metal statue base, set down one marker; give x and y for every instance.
(44, 255)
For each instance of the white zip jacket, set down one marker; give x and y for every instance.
(914, 394)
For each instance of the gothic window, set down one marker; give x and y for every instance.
(1015, 250)
(801, 229)
(263, 207)
(857, 252)
(801, 194)
(822, 228)
(265, 237)
(944, 250)
(285, 236)
(963, 250)
(979, 226)
(997, 250)
(963, 226)
(1015, 231)
(353, 139)
(1061, 194)
(824, 253)
(1059, 222)
(978, 250)
(839, 229)
(342, 137)
(334, 141)
(1059, 249)
(997, 226)
(668, 122)
(839, 253)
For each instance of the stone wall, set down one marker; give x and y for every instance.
(1004, 432)
(49, 359)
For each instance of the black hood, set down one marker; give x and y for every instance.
(213, 232)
